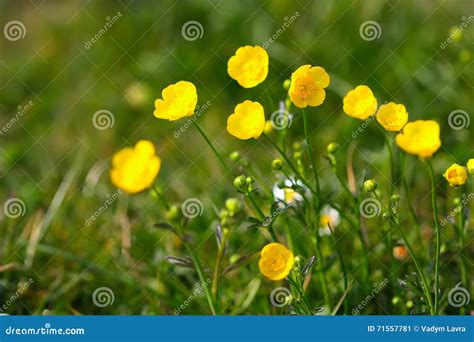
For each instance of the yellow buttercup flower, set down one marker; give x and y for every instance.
(275, 261)
(247, 121)
(456, 175)
(392, 116)
(307, 86)
(420, 138)
(360, 103)
(179, 100)
(135, 169)
(249, 66)
(470, 166)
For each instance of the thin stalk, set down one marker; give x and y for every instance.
(462, 264)
(426, 287)
(438, 237)
(195, 260)
(409, 202)
(217, 269)
(203, 281)
(223, 163)
(310, 154)
(343, 269)
(261, 215)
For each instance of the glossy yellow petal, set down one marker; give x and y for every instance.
(135, 169)
(249, 66)
(178, 100)
(392, 116)
(307, 86)
(275, 261)
(420, 138)
(247, 121)
(360, 103)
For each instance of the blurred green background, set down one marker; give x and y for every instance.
(57, 162)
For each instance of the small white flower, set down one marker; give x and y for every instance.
(329, 217)
(288, 194)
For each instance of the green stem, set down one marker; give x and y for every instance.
(224, 165)
(220, 254)
(261, 215)
(409, 202)
(426, 287)
(195, 260)
(203, 281)
(310, 154)
(438, 236)
(462, 264)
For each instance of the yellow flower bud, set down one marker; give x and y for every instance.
(456, 175)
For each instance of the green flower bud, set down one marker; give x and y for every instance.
(409, 304)
(240, 183)
(234, 156)
(395, 300)
(332, 160)
(395, 198)
(297, 155)
(281, 184)
(173, 213)
(249, 180)
(457, 201)
(223, 214)
(332, 148)
(297, 146)
(234, 258)
(286, 84)
(233, 205)
(370, 185)
(386, 215)
(287, 103)
(277, 164)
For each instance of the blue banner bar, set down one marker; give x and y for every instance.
(237, 328)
